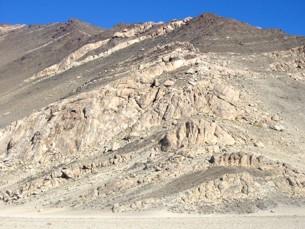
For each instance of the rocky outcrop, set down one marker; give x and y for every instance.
(134, 31)
(134, 35)
(237, 159)
(68, 62)
(291, 62)
(223, 101)
(195, 132)
(7, 28)
(73, 125)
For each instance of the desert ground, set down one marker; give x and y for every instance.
(281, 218)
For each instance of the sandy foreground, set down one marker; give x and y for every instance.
(53, 218)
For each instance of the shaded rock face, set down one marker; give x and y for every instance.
(180, 115)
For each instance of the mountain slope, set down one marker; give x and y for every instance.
(212, 33)
(198, 115)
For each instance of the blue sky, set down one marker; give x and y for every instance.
(288, 15)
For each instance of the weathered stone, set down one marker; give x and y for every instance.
(169, 83)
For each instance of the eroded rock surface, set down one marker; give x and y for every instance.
(150, 116)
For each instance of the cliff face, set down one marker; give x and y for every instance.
(196, 115)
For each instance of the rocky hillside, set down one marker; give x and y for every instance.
(197, 115)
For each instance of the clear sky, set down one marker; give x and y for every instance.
(288, 15)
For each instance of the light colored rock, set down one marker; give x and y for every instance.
(169, 83)
(226, 93)
(8, 28)
(259, 144)
(195, 132)
(276, 118)
(278, 127)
